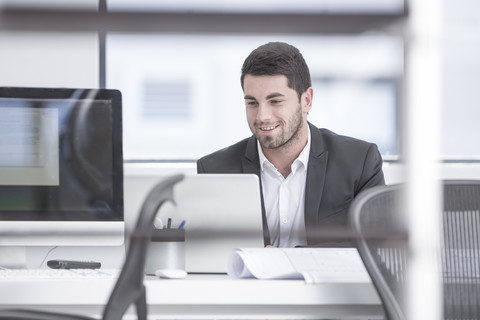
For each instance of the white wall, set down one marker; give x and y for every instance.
(394, 172)
(41, 59)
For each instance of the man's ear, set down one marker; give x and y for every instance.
(307, 99)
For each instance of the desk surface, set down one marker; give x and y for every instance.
(204, 297)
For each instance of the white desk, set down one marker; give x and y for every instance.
(204, 297)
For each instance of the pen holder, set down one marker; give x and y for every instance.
(166, 250)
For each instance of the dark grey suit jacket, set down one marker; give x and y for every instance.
(339, 167)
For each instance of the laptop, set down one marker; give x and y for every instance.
(219, 212)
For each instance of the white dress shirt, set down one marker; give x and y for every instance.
(284, 199)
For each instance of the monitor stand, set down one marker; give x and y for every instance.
(14, 257)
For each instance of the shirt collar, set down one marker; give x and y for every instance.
(302, 157)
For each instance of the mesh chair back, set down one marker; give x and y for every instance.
(381, 242)
(378, 217)
(461, 249)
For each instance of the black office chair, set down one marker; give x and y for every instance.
(461, 250)
(382, 241)
(129, 288)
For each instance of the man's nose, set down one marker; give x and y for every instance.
(264, 112)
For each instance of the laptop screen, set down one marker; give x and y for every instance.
(220, 212)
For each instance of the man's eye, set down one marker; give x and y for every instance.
(275, 101)
(251, 103)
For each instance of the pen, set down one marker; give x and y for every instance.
(181, 225)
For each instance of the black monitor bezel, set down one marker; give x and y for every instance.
(115, 97)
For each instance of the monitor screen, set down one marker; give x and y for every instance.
(61, 166)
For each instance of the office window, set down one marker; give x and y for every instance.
(460, 83)
(255, 6)
(183, 99)
(365, 108)
(166, 100)
(51, 4)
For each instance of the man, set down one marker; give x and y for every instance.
(309, 176)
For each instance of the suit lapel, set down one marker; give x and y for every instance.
(250, 161)
(317, 167)
(251, 164)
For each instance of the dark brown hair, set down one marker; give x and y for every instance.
(279, 58)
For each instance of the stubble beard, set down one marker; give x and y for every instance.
(289, 134)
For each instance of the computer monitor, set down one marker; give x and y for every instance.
(61, 167)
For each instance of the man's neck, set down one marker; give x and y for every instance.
(284, 157)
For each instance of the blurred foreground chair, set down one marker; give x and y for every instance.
(378, 219)
(129, 288)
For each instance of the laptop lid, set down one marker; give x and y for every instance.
(221, 212)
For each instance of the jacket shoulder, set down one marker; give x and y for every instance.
(341, 143)
(226, 160)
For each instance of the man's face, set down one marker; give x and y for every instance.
(274, 112)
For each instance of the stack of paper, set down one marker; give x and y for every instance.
(314, 265)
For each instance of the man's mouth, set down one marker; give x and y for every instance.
(269, 128)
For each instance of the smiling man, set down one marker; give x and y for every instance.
(308, 176)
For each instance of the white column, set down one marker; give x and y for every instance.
(422, 148)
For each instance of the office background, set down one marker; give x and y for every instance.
(177, 64)
(402, 74)
(183, 77)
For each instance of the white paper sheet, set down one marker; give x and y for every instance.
(314, 265)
